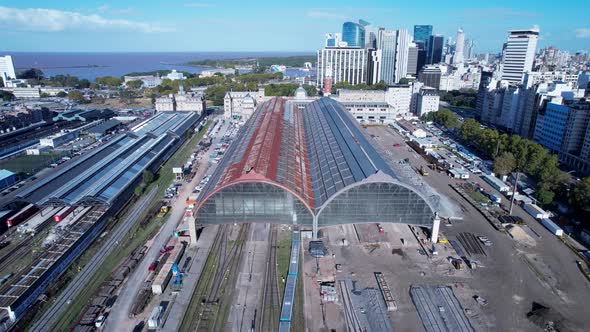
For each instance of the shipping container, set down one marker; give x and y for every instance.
(552, 227)
(536, 211)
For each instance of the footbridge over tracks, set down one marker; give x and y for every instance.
(309, 164)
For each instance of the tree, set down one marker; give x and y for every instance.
(44, 95)
(84, 84)
(470, 131)
(138, 191)
(545, 196)
(76, 96)
(135, 84)
(6, 95)
(109, 81)
(32, 73)
(147, 177)
(504, 164)
(62, 94)
(404, 80)
(580, 195)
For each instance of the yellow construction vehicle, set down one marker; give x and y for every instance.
(163, 211)
(423, 171)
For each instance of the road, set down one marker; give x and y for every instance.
(118, 318)
(81, 279)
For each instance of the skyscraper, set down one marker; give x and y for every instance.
(7, 69)
(422, 33)
(413, 59)
(519, 54)
(393, 46)
(459, 47)
(370, 36)
(435, 49)
(353, 34)
(343, 64)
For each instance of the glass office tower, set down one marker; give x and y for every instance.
(353, 34)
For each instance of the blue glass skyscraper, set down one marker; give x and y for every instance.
(353, 34)
(422, 33)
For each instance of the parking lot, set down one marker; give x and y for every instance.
(510, 274)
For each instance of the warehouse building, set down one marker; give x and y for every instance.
(311, 166)
(102, 181)
(7, 178)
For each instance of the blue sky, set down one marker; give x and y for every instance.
(240, 25)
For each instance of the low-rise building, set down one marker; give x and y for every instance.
(7, 178)
(174, 75)
(59, 138)
(148, 81)
(182, 102)
(212, 72)
(427, 101)
(241, 104)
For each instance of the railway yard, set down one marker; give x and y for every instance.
(266, 277)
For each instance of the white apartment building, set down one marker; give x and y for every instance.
(165, 103)
(427, 101)
(519, 54)
(7, 69)
(376, 106)
(181, 102)
(241, 104)
(343, 64)
(174, 75)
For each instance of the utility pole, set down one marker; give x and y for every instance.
(514, 191)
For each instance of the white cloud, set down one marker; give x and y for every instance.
(325, 15)
(51, 20)
(198, 5)
(583, 33)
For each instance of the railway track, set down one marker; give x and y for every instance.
(270, 307)
(203, 317)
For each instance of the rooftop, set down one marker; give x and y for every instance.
(290, 163)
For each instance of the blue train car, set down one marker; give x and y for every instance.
(291, 283)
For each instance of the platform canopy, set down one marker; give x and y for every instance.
(309, 165)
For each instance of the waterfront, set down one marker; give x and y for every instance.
(92, 65)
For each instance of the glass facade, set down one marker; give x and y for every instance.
(376, 202)
(253, 202)
(353, 34)
(435, 48)
(313, 163)
(422, 33)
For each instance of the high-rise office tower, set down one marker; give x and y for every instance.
(435, 49)
(519, 54)
(370, 35)
(344, 64)
(422, 54)
(469, 48)
(353, 34)
(393, 46)
(459, 47)
(422, 33)
(412, 59)
(7, 69)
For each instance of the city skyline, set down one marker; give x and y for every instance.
(134, 26)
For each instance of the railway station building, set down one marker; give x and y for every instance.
(309, 163)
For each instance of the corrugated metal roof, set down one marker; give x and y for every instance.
(313, 152)
(4, 173)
